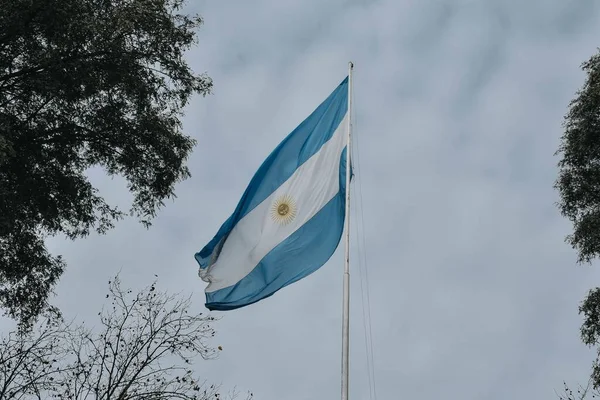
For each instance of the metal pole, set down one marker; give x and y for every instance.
(346, 306)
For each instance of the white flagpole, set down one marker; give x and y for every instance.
(346, 296)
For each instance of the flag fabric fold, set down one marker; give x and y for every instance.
(290, 218)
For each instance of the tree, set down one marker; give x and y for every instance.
(83, 84)
(578, 180)
(578, 184)
(28, 362)
(144, 349)
(590, 330)
(581, 393)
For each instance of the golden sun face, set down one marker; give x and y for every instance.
(283, 210)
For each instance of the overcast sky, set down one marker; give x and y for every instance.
(458, 108)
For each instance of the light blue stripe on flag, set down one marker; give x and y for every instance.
(289, 220)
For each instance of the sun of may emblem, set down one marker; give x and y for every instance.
(283, 210)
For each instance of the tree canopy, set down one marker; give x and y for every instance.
(85, 83)
(579, 169)
(578, 184)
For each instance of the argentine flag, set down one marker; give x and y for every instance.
(290, 219)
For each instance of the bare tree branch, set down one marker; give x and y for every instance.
(29, 363)
(144, 348)
(581, 392)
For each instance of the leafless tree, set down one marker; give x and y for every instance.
(581, 392)
(31, 361)
(144, 348)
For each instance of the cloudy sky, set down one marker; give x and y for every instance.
(459, 105)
